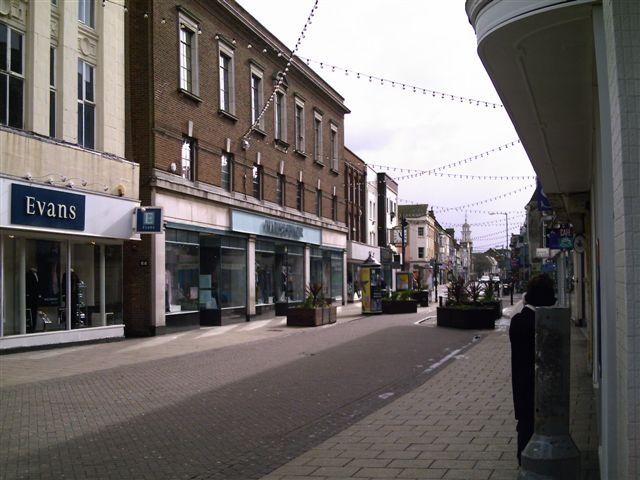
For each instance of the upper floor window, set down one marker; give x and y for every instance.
(86, 105)
(86, 12)
(256, 97)
(188, 163)
(226, 171)
(188, 55)
(227, 92)
(319, 202)
(334, 147)
(317, 137)
(420, 252)
(280, 187)
(421, 231)
(11, 76)
(280, 121)
(52, 91)
(257, 181)
(299, 123)
(300, 197)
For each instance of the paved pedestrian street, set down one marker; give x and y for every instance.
(224, 403)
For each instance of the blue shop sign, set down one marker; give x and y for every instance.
(148, 220)
(41, 207)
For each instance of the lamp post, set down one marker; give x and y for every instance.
(403, 224)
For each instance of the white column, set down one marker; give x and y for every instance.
(251, 275)
(22, 287)
(103, 288)
(307, 265)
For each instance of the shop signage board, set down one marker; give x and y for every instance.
(41, 207)
(273, 227)
(148, 220)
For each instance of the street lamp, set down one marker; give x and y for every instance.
(403, 224)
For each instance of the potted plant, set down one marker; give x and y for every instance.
(464, 308)
(399, 302)
(314, 311)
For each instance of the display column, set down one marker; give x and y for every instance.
(158, 251)
(307, 266)
(22, 297)
(344, 277)
(251, 276)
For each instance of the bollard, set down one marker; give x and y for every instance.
(440, 300)
(551, 453)
(511, 294)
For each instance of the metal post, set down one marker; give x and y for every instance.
(551, 453)
(403, 224)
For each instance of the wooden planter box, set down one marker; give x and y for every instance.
(473, 318)
(421, 296)
(399, 306)
(311, 317)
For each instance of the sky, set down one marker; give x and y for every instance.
(430, 45)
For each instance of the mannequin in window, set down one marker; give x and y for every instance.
(32, 299)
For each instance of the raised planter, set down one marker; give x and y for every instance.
(467, 317)
(399, 306)
(421, 296)
(311, 317)
(283, 307)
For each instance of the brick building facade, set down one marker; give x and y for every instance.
(243, 150)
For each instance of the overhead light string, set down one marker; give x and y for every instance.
(492, 199)
(402, 85)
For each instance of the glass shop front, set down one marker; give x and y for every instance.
(61, 265)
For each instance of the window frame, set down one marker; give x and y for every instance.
(421, 231)
(226, 180)
(300, 196)
(227, 103)
(187, 24)
(53, 90)
(87, 8)
(12, 75)
(333, 146)
(299, 114)
(193, 146)
(280, 116)
(420, 252)
(85, 102)
(317, 137)
(257, 181)
(319, 202)
(256, 96)
(280, 189)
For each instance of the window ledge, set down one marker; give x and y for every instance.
(319, 162)
(300, 153)
(227, 115)
(190, 95)
(259, 131)
(333, 170)
(281, 145)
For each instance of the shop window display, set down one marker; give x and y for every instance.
(182, 277)
(51, 270)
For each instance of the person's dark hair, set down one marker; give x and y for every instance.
(540, 291)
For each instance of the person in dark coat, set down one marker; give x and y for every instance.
(540, 293)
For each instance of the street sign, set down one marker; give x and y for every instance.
(148, 220)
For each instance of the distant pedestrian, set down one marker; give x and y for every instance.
(540, 293)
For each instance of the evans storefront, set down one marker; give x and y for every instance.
(61, 269)
(258, 265)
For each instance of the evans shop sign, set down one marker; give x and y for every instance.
(41, 207)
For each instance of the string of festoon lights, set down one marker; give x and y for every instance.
(488, 200)
(412, 173)
(283, 73)
(522, 214)
(402, 85)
